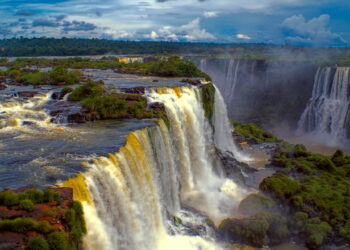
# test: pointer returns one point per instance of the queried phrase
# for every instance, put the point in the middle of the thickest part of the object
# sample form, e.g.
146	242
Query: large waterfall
132	198
261	91
327	112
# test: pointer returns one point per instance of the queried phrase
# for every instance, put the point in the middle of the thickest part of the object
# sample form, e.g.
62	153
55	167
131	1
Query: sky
294	22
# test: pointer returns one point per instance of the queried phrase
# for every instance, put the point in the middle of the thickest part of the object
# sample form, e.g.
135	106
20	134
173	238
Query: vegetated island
306	200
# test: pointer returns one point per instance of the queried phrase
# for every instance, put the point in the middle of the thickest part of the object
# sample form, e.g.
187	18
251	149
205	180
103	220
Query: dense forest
78	47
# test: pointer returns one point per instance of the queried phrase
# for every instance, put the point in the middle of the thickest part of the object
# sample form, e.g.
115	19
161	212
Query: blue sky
297	22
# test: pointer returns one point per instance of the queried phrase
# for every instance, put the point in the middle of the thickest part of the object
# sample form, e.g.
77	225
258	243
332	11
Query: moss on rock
208	99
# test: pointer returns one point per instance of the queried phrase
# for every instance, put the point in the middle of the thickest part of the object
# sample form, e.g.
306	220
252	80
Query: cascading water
15	114
223	130
130	197
327	112
229	80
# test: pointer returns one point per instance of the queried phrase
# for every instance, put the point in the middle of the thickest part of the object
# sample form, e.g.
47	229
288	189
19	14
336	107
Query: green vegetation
27	70
169	67
27	205
87	90
208	99
10	198
22	225
38	243
314	187
76	222
256	203
100	105
66	90
51	195
58	241
76	47
259	229
252	133
59	75
60	224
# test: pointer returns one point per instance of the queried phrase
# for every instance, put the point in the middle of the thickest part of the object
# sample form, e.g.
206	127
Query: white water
162	170
326	115
223	129
16	113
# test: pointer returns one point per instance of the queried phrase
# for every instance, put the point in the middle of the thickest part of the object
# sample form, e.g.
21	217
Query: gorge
175	177
291	98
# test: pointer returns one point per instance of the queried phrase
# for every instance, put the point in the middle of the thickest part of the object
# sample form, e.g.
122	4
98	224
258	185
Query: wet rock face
234	169
27	94
156	106
65	111
137	90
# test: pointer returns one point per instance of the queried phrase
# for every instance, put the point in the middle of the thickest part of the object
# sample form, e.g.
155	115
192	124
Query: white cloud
210	14
242	36
314	31
191	31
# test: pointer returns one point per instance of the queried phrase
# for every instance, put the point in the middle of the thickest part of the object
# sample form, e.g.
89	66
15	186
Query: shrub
61	74
105	107
58	241
256	203
38	243
326	164
316	231
27	205
88	90
9	198
22	225
51	195
338	158
281	185
66	90
45	227
300	151
35	195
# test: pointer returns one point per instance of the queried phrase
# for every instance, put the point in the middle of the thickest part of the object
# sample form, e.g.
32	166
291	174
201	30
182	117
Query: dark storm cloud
78	26
43	22
60	17
25	13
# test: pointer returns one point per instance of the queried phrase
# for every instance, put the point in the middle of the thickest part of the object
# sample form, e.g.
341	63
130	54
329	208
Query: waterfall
326	114
169	170
229	78
223	130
